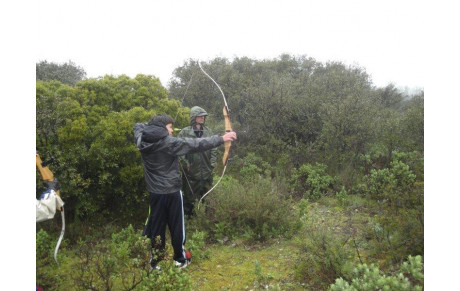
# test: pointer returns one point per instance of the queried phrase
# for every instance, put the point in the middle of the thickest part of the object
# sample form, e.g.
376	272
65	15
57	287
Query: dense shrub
410	277
118	263
196	245
87	129
414	160
311	181
392	237
323	253
394	184
167	279
342	196
396	230
44	259
255	210
380	183
253	167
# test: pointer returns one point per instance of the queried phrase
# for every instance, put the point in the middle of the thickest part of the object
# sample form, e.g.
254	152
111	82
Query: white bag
47	205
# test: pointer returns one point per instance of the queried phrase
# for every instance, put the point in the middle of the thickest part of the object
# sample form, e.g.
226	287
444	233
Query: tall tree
87	128
67	73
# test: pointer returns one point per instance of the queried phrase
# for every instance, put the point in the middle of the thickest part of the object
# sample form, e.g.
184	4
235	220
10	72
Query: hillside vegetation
323	190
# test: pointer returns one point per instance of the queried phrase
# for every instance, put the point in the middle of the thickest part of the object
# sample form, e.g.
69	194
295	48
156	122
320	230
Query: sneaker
181	265
154	264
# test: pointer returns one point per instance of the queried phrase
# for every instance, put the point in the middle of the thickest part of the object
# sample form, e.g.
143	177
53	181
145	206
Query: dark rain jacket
160	152
200	164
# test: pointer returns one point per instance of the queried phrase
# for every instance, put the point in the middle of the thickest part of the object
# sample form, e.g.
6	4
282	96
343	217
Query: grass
241	267
272	265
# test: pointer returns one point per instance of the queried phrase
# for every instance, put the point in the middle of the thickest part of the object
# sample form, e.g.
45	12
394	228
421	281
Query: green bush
118	263
43	245
44	259
254	167
342	196
414	160
254	210
88	131
196	245
394	186
404	176
323	254
167	279
311	181
392	237
370	277
380	183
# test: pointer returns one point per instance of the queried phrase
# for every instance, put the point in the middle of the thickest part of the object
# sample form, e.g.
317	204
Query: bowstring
226	106
223	172
181	102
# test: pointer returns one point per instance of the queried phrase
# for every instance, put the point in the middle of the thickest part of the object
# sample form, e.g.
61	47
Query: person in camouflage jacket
198	167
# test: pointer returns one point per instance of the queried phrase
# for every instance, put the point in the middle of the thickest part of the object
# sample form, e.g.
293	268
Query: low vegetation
324	188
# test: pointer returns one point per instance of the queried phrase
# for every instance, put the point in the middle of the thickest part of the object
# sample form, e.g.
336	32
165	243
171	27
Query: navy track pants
166	210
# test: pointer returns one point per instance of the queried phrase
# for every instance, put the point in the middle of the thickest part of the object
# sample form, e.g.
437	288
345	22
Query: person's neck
198	126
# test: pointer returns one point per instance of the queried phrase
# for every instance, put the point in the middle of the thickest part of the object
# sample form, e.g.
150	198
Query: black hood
154	131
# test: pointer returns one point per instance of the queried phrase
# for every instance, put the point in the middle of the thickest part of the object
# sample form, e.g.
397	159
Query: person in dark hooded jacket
198	166
160	157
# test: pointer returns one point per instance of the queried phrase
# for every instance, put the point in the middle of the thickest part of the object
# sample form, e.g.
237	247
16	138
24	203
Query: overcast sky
155	37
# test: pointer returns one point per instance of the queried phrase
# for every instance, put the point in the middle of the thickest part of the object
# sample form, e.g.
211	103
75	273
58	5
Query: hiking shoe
181	265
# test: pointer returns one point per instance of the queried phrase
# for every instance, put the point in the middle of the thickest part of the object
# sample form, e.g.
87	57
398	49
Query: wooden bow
228	128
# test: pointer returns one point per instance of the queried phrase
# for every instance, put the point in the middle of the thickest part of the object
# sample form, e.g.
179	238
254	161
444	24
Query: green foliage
44	258
394	185
414	160
322	127
262	280
380	183
342	196
252	167
299	91
311	181
302	208
88	130
107	259
370	277
403	175
396	230
196	245
329	113
122	263
414	267
412	124
323	255
393	236
43	245
118	263
167	279
67	73
253	209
